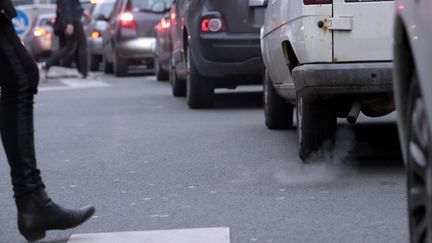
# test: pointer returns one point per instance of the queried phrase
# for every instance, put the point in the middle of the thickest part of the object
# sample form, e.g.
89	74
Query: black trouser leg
18	81
19	76
82	56
71	43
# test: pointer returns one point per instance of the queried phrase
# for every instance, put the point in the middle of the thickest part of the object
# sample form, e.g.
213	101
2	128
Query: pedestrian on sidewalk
68	24
19	77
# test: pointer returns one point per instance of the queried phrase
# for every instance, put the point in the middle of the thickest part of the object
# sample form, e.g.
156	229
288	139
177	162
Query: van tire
278	113
316	126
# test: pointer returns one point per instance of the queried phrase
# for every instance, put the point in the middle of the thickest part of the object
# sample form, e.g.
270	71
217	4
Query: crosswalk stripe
76	84
199	235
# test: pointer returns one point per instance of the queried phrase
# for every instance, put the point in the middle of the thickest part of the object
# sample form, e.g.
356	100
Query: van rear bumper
317	80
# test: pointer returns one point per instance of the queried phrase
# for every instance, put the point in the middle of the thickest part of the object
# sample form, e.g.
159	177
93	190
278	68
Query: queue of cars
129	38
327	59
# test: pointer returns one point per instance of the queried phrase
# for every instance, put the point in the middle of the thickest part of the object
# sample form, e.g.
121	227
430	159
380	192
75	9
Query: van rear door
362	30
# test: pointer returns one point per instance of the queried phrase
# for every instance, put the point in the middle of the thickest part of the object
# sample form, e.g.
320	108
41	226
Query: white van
330	58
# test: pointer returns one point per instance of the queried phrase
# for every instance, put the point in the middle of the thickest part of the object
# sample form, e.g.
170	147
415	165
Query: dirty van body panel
359	34
361	58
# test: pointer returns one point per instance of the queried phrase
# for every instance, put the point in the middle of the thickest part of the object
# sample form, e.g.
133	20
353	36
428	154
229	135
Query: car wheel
316	126
178	86
94	63
161	75
419	167
108	66
278	113
120	66
200	90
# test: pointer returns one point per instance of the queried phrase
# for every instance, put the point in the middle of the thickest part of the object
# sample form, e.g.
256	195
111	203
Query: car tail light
95	35
127	20
39	32
212	24
165	23
317	1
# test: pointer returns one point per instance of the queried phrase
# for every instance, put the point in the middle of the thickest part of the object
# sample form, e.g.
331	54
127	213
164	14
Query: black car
216	44
130	36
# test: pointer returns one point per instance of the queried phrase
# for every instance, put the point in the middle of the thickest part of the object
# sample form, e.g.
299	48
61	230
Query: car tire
94	63
178	86
120	66
316	126
108	66
278	113
200	90
419	166
161	75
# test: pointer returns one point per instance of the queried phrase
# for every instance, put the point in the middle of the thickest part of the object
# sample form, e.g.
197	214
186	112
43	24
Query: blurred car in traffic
98	24
215	45
130	36
38	41
163	48
413	97
330	59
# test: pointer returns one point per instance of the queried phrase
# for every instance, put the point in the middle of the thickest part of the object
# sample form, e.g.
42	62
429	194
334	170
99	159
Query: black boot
37	213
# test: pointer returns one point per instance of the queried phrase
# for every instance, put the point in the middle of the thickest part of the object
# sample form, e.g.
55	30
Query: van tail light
213	25
96	35
40	32
165	23
307	2
127	21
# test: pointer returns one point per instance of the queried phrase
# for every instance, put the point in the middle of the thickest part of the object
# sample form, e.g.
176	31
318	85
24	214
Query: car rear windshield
147	5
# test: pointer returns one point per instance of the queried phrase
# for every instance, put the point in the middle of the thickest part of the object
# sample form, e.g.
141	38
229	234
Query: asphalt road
149	163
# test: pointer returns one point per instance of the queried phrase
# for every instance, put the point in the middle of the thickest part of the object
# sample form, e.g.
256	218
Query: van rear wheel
278	113
316	126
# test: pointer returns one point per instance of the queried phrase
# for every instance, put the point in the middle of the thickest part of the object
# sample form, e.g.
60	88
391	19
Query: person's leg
67	50
18	82
82	59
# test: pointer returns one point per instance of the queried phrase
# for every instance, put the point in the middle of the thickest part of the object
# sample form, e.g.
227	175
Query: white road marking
76	84
202	235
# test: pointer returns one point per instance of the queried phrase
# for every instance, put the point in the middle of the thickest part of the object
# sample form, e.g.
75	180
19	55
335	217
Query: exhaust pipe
354	112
